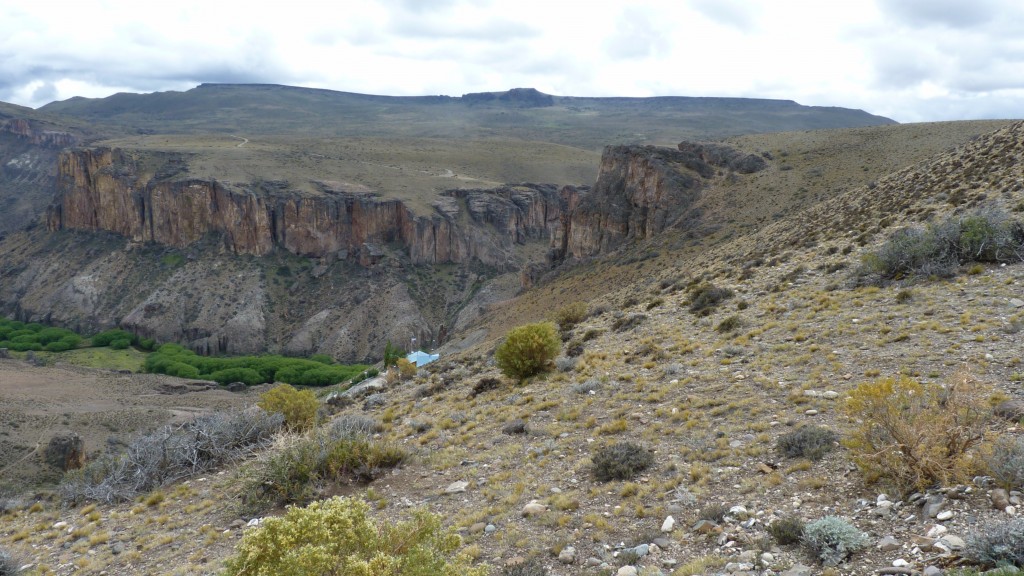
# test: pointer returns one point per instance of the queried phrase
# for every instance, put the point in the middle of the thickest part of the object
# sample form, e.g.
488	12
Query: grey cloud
439	27
950	13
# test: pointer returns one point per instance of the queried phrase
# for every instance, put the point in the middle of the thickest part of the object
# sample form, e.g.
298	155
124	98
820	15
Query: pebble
811	412
456	487
662	543
936	531
627	571
932	571
490	528
567	555
705	527
933	506
900	563
888	544
668	525
944	515
1000	499
117	548
954	542
830	395
642	550
534	508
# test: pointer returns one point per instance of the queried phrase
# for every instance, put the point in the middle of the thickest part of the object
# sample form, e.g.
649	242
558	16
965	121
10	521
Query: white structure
421	358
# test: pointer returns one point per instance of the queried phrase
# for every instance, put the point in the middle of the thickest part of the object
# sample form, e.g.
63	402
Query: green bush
999	544
833	540
810	441
621	461
528	350
110	336
299	408
337	536
245	375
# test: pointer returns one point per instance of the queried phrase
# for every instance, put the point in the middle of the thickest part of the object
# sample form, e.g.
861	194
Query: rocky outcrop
102	189
28	159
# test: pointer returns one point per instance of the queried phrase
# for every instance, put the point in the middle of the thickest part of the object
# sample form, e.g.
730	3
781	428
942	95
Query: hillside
518	114
709	395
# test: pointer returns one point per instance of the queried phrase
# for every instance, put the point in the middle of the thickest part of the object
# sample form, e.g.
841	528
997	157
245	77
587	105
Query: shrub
337	536
621	461
571	315
916	435
730	324
299	408
9	565
628	322
349	425
984	235
713	512
484	385
171	454
788	530
1001	543
1006	462
107	338
833	539
811	442
406	369
704	298
528	350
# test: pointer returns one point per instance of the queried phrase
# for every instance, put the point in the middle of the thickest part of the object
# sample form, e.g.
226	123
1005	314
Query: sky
910	60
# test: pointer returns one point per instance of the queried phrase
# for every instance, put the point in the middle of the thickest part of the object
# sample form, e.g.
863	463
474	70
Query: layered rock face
101	189
28	159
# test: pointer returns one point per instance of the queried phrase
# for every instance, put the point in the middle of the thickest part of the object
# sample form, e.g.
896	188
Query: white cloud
908	59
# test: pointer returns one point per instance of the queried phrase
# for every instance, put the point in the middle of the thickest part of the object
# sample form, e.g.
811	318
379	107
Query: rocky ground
510	464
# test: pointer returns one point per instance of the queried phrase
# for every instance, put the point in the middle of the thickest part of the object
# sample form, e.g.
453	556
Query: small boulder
534	508
66	451
567	555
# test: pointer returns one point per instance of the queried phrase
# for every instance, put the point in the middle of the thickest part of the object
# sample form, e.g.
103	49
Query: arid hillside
718	374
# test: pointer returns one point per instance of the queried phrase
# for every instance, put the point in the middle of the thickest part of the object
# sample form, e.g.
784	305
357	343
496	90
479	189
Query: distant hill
521	113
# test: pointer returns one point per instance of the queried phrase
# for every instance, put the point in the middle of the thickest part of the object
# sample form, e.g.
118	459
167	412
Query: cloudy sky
911	60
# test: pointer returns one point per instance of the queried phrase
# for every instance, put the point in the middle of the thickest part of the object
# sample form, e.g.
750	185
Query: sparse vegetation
810	441
704	298
621	461
337	536
787	530
916	435
171	454
998	544
1005	463
984	235
833	540
569	316
528	350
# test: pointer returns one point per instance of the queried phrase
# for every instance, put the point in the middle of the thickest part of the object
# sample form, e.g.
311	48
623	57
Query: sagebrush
915	435
998	544
338	537
809	441
833	540
621	461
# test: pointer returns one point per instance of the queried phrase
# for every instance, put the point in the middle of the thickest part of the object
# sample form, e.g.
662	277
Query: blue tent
421	358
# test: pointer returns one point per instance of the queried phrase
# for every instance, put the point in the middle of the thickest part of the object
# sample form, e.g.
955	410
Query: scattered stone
739	512
117	548
1010	409
236	524
895	570
936	530
567	555
1016	302
642	550
799	570
534	508
747	557
705	527
668	525
954	542
944	515
593	562
900	563
477	528
888	544
375	401
456	487
737	567
662	543
811	412
932	571
59	525
933	506
253	522
1000	499
490	529
627	571
830	395
767	558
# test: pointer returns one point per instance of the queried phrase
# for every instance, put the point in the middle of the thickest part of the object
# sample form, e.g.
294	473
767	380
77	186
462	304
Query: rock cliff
104	189
28	159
